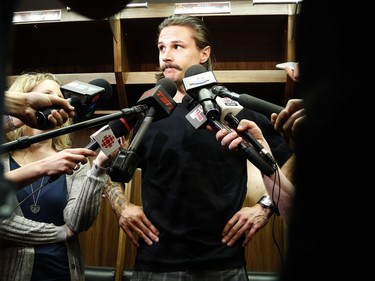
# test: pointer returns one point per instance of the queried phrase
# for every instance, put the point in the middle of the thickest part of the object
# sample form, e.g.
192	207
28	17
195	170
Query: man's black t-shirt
191	187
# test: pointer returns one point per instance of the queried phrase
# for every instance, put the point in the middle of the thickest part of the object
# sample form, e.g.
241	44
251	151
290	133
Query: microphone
160	98
83	96
120	127
196	86
90	95
160	105
229	108
42	115
196	116
26	141
197	83
250	102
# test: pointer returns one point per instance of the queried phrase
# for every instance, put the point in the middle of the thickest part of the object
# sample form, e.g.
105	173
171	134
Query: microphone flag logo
196	116
106	139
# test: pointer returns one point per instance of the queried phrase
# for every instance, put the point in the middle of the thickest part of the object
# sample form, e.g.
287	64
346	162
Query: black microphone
229	108
197	87
42	115
90	95
197	83
250	102
120	127
83	96
196	116
160	105
26	141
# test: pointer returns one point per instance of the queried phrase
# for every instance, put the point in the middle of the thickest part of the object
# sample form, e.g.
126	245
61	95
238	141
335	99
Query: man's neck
178	97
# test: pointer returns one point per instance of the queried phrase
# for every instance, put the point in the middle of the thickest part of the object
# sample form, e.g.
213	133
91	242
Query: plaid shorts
234	274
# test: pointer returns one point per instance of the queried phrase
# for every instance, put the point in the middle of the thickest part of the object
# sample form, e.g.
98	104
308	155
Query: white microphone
229	109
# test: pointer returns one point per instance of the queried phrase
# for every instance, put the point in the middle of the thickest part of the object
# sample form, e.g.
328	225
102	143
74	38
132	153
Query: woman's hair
25	83
201	35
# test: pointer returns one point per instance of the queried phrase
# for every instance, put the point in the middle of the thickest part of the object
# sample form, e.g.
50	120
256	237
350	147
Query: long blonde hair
25	83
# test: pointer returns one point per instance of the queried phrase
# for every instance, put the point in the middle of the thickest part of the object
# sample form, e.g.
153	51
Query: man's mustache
170	65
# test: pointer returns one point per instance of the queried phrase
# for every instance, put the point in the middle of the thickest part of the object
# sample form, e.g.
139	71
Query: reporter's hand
39	101
289	120
66	161
293	73
63	162
25	105
69	232
103	160
232	139
135	223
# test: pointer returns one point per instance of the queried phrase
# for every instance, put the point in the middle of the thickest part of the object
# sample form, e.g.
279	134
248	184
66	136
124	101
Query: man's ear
205	54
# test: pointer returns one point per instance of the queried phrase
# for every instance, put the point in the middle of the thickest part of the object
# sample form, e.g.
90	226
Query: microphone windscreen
96	9
189	102
194	70
168	85
123	126
75	101
118	128
107	94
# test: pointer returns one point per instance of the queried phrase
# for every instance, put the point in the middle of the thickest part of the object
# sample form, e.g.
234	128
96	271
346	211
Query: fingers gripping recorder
83	96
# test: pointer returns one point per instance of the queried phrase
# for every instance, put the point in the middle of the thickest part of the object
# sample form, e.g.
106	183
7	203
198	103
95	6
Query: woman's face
49	87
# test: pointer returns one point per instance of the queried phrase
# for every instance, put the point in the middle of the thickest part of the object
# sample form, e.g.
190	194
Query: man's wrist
266	202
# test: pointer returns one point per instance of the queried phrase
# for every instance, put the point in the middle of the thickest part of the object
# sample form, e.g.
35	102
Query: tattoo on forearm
115	194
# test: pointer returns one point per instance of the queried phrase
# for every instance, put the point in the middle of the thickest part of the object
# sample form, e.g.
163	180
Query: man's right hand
135	223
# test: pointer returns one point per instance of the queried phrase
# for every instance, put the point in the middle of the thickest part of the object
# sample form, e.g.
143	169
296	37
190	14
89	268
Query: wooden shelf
228	76
248	43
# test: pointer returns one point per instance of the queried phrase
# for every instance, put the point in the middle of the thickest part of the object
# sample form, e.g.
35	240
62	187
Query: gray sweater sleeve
17	230
85	188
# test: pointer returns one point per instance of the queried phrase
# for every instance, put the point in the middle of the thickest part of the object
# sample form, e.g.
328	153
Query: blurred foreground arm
289	120
23	107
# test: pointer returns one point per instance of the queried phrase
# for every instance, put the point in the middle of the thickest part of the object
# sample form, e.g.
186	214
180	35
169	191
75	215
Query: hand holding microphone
197	83
25	106
229	109
42	116
84	97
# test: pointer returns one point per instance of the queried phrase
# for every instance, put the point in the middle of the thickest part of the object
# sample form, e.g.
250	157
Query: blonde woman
59	196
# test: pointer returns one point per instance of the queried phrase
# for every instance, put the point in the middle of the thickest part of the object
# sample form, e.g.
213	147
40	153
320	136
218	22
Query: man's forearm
116	196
